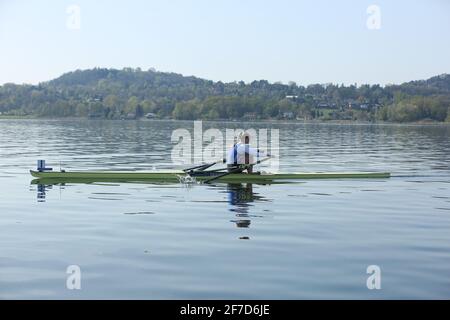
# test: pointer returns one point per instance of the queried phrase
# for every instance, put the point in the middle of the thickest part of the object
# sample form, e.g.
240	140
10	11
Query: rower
241	153
41	166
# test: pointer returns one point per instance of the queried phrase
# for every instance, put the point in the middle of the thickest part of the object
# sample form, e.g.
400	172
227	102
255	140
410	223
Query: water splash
187	180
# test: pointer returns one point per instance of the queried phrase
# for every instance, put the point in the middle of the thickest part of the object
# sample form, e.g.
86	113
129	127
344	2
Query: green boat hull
80	176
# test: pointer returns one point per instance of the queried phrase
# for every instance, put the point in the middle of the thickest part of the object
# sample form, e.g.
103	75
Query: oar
204	166
239	168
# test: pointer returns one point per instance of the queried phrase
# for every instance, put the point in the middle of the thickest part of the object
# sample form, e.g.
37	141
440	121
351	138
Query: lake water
311	239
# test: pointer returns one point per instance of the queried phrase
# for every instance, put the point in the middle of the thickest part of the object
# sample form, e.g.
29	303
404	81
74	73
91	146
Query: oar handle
262	160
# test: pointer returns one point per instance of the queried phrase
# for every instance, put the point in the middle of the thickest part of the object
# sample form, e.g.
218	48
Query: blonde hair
243	135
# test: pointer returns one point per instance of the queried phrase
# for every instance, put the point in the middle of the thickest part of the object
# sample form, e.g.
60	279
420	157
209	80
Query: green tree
132	104
186	110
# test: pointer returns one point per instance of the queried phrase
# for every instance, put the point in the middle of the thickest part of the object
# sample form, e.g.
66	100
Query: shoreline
336	122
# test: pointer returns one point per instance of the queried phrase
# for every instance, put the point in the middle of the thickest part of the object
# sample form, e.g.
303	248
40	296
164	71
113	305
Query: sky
318	41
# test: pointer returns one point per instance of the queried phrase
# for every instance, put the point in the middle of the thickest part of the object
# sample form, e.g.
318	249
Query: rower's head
244	137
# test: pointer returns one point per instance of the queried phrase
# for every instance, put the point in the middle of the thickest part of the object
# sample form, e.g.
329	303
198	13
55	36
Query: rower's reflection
241	198
42	191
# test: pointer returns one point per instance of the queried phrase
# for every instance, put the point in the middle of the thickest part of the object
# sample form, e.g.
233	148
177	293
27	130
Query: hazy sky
304	41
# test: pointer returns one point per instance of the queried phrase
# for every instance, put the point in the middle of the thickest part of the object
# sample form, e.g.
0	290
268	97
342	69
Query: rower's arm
257	153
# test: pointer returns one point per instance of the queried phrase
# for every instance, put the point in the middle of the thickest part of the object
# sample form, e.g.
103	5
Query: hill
133	93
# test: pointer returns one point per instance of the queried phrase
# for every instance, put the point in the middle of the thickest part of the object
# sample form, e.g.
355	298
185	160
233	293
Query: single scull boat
174	176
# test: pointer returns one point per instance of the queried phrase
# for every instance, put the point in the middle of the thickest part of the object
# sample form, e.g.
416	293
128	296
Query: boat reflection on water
240	197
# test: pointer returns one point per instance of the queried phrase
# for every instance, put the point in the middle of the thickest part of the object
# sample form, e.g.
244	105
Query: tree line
134	93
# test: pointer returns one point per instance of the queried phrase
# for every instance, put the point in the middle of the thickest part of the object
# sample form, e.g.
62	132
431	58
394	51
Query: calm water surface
311	239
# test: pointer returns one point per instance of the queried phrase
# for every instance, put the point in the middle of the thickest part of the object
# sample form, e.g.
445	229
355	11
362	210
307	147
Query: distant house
323	105
94	99
352	105
250	116
288	115
376	106
96	115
